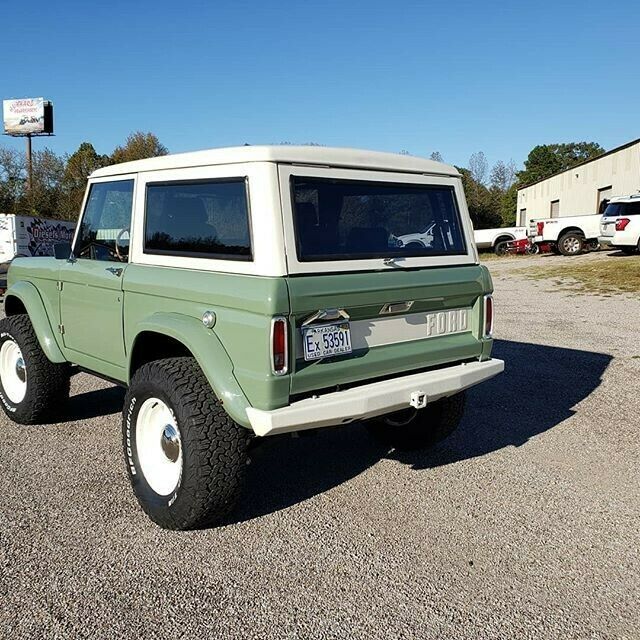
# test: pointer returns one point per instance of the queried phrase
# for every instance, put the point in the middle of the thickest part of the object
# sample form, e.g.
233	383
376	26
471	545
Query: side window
206	219
104	230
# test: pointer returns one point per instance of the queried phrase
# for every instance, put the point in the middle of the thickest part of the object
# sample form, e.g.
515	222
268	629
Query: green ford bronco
254	291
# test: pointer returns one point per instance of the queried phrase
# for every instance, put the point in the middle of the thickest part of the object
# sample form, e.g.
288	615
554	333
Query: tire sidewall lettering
140	485
9	406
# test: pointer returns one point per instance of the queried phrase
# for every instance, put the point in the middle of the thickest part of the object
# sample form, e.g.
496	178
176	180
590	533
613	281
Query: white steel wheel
159	446
13	371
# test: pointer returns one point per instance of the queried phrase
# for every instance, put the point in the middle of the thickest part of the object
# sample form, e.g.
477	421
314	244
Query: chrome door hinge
61	328
59	285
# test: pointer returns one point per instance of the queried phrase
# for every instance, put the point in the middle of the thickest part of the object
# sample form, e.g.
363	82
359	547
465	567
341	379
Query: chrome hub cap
13	371
21	370
170	443
159	446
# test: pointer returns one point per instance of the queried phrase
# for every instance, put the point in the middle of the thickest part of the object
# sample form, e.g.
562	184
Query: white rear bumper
367	401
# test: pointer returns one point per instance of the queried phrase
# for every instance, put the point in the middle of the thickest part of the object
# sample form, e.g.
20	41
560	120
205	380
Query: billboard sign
24	117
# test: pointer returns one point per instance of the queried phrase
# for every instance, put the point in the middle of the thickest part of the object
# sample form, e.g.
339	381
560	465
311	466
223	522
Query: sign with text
28	116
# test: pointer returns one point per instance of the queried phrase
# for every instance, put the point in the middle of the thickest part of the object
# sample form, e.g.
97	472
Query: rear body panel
403	344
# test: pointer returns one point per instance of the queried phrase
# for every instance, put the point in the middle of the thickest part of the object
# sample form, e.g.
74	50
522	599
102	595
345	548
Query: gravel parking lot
523	524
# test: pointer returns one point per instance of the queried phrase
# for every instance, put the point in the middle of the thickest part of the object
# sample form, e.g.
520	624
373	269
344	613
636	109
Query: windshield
617	209
351	220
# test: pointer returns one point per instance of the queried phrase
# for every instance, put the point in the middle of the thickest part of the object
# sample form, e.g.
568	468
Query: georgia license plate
326	340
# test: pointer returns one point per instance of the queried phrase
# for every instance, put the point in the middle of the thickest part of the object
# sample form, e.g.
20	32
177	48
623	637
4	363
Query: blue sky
456	77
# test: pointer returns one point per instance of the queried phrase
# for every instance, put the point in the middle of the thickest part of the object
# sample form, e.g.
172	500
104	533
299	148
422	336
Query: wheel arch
164	335
504	237
571	230
24	297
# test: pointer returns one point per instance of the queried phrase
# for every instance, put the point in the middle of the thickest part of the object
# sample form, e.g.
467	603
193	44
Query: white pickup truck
569	235
497	239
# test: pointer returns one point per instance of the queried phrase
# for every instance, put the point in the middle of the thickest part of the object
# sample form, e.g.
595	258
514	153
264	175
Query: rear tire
185	456
571	244
412	430
32	388
500	248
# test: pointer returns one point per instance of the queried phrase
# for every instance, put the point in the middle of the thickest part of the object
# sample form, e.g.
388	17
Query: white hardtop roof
289	154
632	198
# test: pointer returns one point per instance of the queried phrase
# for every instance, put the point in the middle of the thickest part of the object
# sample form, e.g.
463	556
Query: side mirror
62	250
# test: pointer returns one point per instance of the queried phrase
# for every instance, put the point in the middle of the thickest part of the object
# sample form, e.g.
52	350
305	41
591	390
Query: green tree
13	178
43	200
481	201
138	146
79	165
545	160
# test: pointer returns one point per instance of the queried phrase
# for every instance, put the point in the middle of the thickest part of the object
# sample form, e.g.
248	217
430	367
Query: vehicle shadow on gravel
538	391
93	404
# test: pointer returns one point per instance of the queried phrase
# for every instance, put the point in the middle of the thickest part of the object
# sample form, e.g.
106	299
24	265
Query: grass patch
489	255
603	276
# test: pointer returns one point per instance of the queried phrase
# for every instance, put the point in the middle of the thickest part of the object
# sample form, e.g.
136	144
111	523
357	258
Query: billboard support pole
29	164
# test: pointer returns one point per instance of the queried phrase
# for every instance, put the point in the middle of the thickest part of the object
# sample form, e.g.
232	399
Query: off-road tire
571	243
47	383
214	447
428	426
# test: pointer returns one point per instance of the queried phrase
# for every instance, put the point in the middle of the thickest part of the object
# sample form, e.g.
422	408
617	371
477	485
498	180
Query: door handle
116	271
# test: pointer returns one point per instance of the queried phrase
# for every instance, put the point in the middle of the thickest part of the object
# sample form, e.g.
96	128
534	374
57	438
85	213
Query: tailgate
430	333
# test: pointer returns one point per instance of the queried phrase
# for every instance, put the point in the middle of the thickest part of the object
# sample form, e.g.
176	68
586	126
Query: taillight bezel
276	322
626	222
488	316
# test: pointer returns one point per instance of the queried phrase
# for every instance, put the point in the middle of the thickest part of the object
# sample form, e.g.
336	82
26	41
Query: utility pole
29	165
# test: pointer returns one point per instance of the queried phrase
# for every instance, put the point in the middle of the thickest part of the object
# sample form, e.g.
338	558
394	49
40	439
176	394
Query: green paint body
103	316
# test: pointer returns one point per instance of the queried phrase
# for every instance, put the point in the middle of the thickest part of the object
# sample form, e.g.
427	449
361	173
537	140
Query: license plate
326	340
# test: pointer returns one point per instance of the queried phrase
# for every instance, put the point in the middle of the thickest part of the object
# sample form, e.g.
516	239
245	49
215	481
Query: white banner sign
23	116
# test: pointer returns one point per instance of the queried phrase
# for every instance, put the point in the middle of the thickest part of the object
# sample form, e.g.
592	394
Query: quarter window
104	230
207	219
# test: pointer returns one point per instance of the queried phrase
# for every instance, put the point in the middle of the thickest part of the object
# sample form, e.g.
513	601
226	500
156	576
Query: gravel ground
523	524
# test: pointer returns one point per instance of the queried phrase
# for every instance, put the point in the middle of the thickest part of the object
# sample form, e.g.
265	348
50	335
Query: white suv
620	224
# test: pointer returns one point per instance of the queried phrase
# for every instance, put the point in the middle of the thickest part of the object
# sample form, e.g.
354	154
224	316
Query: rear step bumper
367	401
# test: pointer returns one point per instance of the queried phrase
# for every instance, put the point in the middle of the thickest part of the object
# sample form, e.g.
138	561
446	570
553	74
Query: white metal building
581	189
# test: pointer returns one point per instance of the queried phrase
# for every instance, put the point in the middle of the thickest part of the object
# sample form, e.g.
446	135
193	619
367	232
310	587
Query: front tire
32	388
411	429
185	456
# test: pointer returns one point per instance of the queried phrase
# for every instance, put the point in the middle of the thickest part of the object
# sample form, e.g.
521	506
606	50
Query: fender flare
30	297
209	353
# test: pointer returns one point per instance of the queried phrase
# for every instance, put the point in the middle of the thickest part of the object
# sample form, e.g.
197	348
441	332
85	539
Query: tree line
492	192
59	182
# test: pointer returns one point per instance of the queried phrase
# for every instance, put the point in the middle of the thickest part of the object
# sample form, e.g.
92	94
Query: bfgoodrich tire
32	388
185	456
411	429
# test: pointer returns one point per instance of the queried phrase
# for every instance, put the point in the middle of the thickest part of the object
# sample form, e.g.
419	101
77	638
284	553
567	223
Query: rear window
208	219
618	209
352	220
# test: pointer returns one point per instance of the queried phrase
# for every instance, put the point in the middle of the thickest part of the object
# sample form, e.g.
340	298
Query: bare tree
503	175
436	156
479	167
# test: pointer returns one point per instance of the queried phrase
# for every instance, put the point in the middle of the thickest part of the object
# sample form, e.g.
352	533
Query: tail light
279	346
488	317
540	227
621	224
